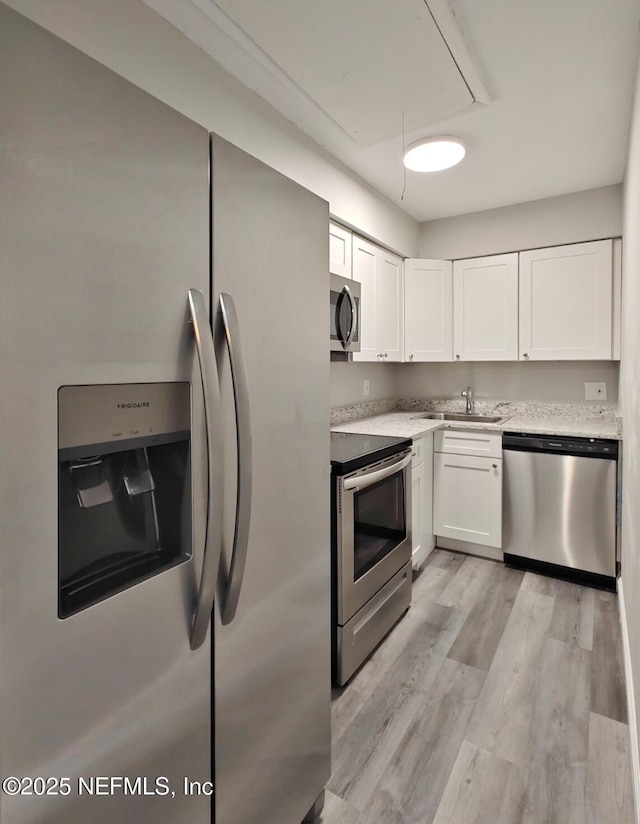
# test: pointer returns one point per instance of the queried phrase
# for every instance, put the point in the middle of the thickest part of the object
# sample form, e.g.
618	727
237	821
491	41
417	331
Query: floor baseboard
631	704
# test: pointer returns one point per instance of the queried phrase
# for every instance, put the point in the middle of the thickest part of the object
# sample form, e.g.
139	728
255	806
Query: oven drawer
359	636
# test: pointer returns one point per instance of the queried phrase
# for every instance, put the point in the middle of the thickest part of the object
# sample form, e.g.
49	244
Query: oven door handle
363	481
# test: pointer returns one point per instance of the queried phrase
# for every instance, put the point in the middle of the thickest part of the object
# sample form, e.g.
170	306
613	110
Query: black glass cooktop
350	451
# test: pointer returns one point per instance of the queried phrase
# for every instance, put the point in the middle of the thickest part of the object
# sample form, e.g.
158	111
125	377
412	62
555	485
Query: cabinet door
364	271
467	501
566	296
389	305
417	515
428	307
423	539
339	251
428	537
485	313
616	309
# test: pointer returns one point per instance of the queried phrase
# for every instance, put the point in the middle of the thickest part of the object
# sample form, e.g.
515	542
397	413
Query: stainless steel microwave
344	306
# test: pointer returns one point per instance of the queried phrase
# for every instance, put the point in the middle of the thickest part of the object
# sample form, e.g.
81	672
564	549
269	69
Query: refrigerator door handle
213	532
245	459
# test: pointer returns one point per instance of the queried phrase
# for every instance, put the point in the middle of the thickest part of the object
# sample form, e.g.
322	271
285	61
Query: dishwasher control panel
589	447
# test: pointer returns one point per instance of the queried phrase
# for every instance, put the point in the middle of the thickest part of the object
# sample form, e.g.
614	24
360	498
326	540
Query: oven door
374	530
344	314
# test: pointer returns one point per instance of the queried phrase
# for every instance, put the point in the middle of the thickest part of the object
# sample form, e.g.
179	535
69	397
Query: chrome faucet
466	393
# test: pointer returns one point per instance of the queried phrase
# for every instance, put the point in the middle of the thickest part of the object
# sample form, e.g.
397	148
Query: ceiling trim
204	23
447	25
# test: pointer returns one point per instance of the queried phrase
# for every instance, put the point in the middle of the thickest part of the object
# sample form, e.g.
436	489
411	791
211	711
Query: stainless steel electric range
371	543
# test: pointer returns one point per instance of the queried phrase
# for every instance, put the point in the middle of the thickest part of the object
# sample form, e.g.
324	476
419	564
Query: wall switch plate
366	388
595	391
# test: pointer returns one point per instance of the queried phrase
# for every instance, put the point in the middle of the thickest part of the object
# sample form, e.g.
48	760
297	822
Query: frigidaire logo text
134	405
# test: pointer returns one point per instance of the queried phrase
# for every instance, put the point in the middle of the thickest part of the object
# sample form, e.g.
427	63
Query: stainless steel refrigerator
154	469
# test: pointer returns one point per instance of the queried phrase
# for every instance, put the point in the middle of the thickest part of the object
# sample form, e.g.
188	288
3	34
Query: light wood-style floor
498	699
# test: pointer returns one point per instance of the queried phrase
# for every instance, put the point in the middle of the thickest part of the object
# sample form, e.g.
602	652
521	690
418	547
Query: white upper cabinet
364	271
339	250
389	306
485	308
566	302
380	275
617	298
428	307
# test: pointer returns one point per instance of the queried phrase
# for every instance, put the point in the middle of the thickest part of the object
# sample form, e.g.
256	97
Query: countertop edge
404	424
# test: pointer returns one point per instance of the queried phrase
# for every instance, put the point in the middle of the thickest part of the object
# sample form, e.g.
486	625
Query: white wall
630	401
555	382
128	37
347	382
588	215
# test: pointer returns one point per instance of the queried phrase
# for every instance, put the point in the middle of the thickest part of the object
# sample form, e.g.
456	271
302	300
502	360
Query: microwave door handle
362	482
215	457
354	317
343	294
245	465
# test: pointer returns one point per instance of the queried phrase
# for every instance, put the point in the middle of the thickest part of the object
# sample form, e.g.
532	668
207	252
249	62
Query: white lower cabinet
422	537
467	498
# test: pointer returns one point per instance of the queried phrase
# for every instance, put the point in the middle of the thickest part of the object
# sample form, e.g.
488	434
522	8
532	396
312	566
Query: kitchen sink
451	416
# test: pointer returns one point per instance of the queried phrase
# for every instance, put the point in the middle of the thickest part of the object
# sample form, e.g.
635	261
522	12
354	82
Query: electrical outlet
595	391
366	388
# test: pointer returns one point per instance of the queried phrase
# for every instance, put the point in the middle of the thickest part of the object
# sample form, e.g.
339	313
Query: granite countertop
578	420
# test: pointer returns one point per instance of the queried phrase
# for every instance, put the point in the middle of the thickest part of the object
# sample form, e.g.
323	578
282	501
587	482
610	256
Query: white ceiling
559	73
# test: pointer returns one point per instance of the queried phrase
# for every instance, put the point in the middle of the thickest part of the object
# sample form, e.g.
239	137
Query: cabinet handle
411	357
495	466
386	354
457	357
525	355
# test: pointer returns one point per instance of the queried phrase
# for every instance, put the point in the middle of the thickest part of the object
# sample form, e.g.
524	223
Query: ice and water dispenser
124	487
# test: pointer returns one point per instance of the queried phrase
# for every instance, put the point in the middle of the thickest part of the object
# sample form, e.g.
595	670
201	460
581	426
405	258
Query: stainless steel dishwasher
560	506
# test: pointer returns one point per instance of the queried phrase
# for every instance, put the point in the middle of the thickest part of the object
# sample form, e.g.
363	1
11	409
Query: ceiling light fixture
432	154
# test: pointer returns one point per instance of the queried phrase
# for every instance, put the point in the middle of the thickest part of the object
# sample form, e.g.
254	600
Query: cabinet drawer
469	442
370	624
